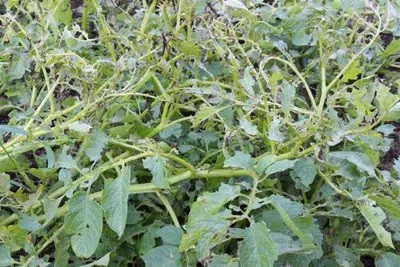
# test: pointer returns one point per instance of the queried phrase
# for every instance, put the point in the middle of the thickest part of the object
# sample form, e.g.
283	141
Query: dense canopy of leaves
200	133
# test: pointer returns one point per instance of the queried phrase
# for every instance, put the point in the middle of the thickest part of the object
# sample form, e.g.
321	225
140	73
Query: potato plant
200	133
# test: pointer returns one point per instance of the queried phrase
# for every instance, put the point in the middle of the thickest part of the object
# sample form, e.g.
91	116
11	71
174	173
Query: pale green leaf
387	259
4	184
240	160
286	97
359	159
81	127
65	160
20	64
280	166
248	82
156	166
257	249
247	126
235	4
274	131
29	223
11	129
264	162
208	220
300	38
170	234
84	222
5	256
374	216
173	130
166	256
96	143
305	170
205	112
385	98
223	261
50	208
115	201
390	205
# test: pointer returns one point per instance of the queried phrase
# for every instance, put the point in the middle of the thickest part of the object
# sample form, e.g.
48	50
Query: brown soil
388	159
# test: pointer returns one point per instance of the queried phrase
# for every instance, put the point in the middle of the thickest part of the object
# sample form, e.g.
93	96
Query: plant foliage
200	133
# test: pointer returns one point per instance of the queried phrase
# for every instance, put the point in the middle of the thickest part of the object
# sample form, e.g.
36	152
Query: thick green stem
139	188
146	18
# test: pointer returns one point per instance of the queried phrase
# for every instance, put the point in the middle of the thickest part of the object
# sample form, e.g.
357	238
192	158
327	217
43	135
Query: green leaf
20	64
346	257
4	184
257	248
352	72
387	259
308	243
50	208
173	130
374	216
280	166
240	160
264	162
248	81
29	223
103	261
156	166
11	129
170	234
84	222
386	99
388	204
5	256
188	48
61	10
392	48
205	112
274	132
235	4
115	201
81	127
208	220
286	96
65	160
359	159
300	38
305	170
95	146
223	261
247	126
166	256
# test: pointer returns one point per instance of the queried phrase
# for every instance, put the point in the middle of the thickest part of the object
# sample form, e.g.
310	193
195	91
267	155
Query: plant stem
301	77
171	212
146	18
85	15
